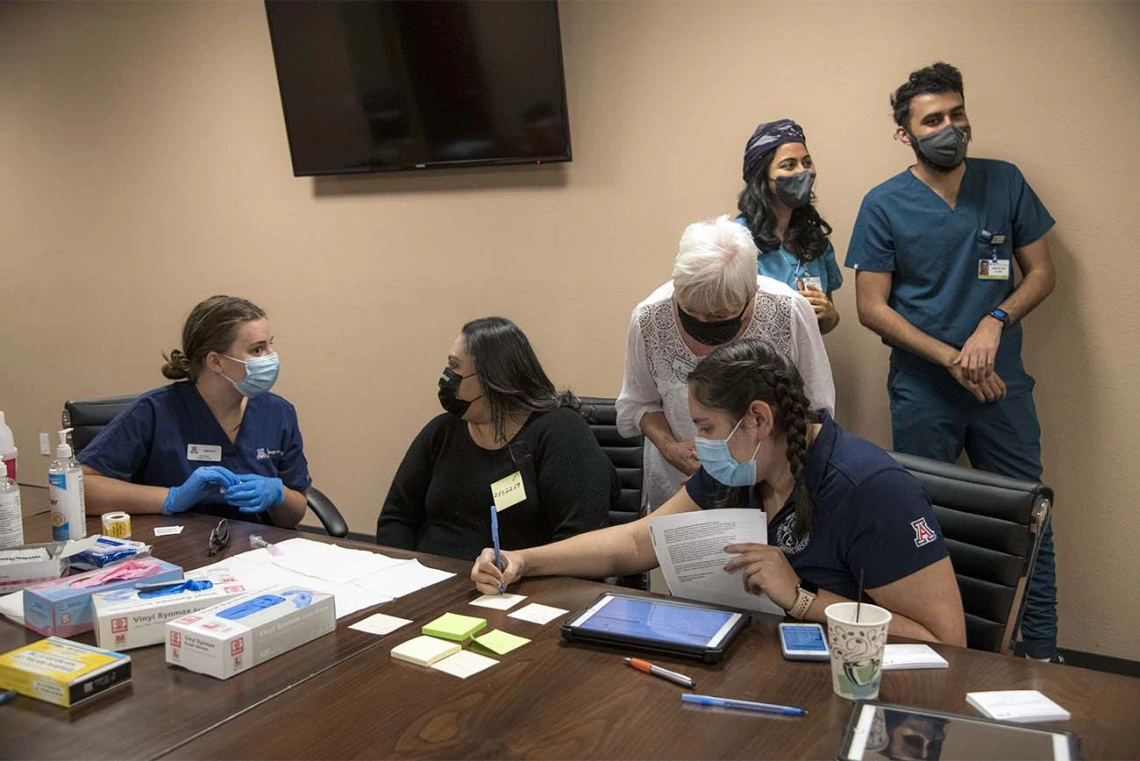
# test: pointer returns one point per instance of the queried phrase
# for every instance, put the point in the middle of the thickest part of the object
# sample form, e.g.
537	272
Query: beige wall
144	167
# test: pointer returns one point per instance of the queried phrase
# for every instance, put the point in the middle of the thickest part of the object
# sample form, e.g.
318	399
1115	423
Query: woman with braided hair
837	507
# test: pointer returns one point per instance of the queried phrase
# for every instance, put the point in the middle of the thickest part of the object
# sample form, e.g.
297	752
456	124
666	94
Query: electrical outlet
45	445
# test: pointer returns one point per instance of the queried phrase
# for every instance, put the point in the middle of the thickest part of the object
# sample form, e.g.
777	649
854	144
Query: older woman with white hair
715	297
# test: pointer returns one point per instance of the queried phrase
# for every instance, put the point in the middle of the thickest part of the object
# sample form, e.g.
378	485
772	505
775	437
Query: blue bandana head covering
766	138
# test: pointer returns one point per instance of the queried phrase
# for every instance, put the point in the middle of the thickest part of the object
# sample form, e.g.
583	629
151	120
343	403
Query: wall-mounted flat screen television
383	85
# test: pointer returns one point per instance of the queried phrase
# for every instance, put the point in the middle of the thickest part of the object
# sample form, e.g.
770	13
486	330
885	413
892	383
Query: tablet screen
657	621
883	732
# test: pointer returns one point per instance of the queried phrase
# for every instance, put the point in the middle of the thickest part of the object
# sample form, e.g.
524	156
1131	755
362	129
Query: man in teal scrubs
933	250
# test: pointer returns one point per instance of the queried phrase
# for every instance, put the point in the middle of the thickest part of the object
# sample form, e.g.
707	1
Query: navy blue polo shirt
151	442
933	251
870	515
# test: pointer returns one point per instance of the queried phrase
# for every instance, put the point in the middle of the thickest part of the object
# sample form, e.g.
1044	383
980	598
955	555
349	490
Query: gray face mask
794	190
946	148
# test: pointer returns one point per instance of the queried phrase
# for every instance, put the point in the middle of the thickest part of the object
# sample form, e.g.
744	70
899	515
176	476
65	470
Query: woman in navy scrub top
837	507
215	441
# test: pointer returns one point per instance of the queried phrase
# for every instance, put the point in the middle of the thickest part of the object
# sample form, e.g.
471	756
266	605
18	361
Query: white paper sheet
358	579
504	601
690	550
378	623
403	578
464	664
12	607
167	530
537	613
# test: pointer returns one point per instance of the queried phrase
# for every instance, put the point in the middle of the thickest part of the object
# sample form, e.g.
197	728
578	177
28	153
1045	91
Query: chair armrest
326	512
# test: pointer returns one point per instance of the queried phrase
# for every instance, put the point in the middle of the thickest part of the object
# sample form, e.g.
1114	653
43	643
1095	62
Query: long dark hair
512	377
807	233
212	326
735	375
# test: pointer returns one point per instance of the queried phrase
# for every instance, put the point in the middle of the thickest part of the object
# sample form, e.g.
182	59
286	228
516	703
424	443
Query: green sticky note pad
455	627
500	642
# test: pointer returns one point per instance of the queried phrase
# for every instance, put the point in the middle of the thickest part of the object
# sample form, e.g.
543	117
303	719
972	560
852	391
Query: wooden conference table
342	696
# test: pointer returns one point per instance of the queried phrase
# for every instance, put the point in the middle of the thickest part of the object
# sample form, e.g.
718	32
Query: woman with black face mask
715	297
776	207
506	438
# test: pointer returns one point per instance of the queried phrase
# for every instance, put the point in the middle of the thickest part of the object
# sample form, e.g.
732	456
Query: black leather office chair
87	418
992	526
626	455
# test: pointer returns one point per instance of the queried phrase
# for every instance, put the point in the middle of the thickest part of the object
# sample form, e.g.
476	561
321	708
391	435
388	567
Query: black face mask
711	333
449	381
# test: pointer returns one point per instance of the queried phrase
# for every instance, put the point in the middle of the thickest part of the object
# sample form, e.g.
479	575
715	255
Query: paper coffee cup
857	648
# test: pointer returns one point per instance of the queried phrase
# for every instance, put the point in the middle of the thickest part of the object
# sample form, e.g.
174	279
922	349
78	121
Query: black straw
859	600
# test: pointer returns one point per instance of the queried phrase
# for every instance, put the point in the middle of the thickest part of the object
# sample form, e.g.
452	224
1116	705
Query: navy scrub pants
933	416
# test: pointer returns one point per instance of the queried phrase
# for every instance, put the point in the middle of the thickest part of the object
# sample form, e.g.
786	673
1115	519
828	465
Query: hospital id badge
993	269
203	453
812	282
508	491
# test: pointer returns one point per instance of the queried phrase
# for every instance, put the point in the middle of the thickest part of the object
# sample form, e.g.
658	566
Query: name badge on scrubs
993	269
812	282
203	452
508	491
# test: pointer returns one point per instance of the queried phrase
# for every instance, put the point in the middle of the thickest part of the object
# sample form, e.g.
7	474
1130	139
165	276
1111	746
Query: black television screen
380	85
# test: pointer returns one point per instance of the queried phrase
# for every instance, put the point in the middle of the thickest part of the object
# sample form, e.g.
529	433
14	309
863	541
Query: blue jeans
933	416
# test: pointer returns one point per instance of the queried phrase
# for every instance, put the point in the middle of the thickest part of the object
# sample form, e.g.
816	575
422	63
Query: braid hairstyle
735	375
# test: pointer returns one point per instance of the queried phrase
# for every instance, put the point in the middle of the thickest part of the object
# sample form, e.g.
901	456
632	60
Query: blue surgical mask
260	374
719	463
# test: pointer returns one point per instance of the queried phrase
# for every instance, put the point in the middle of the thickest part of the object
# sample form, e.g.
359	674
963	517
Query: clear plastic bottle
11	518
8	450
68	507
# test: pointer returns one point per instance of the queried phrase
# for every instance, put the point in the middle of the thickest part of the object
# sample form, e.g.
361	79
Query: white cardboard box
245	631
130	618
32	563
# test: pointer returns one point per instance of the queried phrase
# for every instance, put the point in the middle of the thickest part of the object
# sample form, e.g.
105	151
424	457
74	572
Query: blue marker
495	540
745	705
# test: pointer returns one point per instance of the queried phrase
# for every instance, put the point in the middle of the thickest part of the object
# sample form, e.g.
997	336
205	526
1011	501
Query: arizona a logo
922	533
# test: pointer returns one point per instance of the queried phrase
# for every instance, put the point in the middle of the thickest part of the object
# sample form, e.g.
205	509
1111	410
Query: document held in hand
690	550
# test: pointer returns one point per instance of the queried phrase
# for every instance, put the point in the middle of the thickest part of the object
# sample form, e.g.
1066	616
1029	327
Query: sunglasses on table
219	538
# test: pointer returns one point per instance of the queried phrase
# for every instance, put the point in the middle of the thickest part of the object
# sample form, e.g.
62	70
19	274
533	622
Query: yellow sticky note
508	491
500	642
455	627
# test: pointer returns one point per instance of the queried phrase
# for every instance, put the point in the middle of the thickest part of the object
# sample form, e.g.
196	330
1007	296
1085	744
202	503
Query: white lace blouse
658	363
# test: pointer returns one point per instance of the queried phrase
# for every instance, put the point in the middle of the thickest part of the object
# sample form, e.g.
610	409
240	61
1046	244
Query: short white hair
715	270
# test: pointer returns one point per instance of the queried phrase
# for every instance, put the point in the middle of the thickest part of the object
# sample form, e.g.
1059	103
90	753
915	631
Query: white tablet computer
878	731
653	624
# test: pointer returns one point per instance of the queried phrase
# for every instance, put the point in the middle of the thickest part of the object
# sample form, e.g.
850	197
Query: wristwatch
807	592
1001	314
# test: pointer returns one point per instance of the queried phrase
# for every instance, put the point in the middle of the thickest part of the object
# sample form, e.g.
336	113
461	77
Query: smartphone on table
803	642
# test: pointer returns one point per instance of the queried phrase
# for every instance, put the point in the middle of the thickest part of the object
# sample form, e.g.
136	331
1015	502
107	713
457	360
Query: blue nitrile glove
255	494
199	487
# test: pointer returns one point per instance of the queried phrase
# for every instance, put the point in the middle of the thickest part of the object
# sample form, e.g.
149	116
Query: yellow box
62	672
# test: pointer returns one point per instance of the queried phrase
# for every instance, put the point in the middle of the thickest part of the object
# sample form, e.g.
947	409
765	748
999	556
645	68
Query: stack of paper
1017	706
455	627
899	657
357	579
424	650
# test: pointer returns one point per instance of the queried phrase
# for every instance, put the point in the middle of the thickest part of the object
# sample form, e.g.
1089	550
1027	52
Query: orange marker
672	676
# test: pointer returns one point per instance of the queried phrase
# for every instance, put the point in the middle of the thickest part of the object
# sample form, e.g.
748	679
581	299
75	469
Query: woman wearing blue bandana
215	441
776	206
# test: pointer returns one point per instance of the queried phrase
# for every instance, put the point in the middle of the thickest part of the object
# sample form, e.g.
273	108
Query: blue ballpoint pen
745	705
495	540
